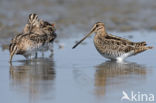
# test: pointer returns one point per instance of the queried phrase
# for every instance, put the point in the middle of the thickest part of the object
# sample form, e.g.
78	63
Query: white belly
114	55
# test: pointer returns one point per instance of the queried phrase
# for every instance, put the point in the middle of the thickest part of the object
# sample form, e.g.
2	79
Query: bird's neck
101	32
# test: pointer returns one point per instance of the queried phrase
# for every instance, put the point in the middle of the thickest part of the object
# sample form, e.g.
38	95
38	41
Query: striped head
12	50
98	28
33	22
33	19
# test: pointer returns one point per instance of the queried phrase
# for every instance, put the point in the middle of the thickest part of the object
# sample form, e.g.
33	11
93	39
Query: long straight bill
82	39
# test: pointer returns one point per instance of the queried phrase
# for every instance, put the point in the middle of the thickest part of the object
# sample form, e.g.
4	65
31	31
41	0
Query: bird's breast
104	48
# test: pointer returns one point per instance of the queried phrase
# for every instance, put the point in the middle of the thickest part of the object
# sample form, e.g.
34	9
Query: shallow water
79	75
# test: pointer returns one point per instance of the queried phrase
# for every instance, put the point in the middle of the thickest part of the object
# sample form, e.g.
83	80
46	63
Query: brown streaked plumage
45	28
113	47
29	42
49	30
25	46
32	22
31	26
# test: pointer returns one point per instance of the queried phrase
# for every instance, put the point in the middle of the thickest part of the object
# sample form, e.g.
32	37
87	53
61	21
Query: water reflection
33	78
117	75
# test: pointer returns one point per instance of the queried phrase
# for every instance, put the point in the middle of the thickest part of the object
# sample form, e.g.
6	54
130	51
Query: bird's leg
26	56
51	53
51	49
36	55
42	53
31	56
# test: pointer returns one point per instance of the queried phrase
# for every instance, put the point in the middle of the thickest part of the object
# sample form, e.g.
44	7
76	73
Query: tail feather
141	43
142	49
150	47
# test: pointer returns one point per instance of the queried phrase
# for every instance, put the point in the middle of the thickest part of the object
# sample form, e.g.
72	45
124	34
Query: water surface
77	75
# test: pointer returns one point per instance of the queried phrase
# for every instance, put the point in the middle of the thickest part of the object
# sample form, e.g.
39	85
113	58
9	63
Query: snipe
35	35
113	47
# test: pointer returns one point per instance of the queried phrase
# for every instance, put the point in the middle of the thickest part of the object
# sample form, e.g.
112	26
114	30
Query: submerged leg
50	47
31	56
36	55
26	56
42	53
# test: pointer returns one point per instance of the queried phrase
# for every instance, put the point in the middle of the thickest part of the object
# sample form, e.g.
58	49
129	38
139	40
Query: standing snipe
34	36
33	22
113	47
32	26
49	30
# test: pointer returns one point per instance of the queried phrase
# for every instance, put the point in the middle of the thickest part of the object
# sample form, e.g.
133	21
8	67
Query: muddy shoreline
73	17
